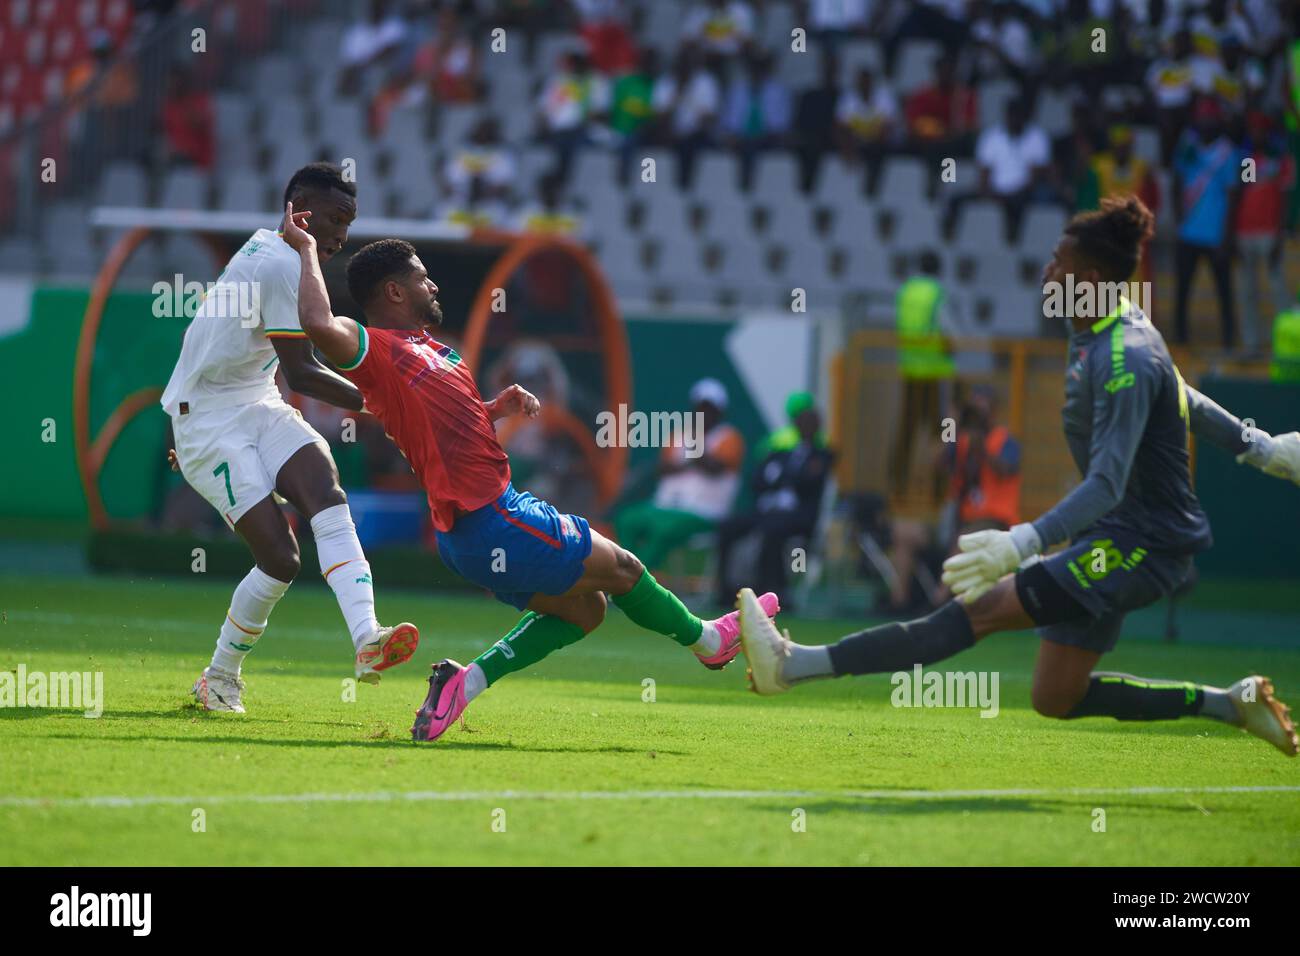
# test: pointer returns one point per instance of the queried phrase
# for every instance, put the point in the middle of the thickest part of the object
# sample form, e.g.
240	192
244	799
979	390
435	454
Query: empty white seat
904	182
716	177
915	66
1041	229
776	173
837	180
184	189
981	224
244	190
123	184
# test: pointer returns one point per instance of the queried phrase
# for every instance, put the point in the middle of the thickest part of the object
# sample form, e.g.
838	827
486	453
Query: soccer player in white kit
238	442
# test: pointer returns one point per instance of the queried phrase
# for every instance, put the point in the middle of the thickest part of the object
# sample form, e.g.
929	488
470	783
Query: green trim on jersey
1120	309
363	346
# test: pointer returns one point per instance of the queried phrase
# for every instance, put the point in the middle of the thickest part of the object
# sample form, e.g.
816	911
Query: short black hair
323	176
1111	237
375	264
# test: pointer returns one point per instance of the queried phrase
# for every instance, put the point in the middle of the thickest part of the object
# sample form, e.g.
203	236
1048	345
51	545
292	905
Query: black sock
1126	697
897	647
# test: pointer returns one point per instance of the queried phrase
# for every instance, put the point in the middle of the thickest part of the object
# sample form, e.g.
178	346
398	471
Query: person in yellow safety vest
1285	366
924	362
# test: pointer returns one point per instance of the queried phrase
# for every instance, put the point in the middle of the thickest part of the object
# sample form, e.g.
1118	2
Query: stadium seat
243	190
904	183
716	177
836	180
726	217
664	216
233	130
184	189
853	220
1041	229
742	261
857	54
594	169
123	184
866	268
980	224
679	262
915	66
916	229
1054	112
776	173
993	98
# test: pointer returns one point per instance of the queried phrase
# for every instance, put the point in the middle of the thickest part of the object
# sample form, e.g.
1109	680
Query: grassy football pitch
568	764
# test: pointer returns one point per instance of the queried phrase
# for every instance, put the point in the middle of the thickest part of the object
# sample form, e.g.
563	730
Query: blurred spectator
721	27
477	177
187	121
610	46
1014	160
694	494
572	102
815	121
757	114
1170	87
1207	190
528	17
453	60
983	468
941	117
942	20
1261	229
788	486
1002	38
631	115
924	362
1117	171
866	123
1087	44
830	22
369	41
108	130
687	101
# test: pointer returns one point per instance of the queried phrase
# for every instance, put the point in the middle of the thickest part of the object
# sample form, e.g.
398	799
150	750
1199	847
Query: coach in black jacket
788	487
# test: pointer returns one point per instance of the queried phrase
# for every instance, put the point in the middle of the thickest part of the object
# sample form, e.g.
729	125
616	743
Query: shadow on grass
378	743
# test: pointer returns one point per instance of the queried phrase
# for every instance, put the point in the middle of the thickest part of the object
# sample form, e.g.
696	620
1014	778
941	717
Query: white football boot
765	647
1263	715
385	648
219	690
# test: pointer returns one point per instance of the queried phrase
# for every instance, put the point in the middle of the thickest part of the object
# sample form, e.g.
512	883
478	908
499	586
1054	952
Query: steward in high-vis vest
924	363
922	351
1285	366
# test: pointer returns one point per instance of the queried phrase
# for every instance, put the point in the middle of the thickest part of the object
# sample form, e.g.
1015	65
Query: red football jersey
427	401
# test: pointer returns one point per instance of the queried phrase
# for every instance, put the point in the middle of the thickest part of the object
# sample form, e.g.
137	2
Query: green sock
535	636
657	609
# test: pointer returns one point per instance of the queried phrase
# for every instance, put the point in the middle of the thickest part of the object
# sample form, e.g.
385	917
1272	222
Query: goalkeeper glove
985	556
1278	456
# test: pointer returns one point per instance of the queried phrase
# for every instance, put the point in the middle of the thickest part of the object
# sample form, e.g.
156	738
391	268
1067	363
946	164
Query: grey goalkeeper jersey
1127	414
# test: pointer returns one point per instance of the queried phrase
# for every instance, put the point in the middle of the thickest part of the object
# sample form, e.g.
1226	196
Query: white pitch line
463	796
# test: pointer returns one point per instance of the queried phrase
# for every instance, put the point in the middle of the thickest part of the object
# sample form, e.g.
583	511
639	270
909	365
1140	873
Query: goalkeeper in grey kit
1133	525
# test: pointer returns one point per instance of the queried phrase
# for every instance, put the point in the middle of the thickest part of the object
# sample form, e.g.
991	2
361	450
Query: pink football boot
445	702
729	631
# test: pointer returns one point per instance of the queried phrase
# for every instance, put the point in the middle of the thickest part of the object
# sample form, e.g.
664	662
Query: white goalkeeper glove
1276	455
985	556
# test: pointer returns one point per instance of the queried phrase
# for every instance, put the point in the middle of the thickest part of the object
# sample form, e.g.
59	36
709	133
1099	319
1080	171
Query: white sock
710	641
475	682
250	607
344	566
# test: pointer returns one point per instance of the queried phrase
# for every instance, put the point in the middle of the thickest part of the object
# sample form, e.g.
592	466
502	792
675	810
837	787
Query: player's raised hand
515	399
295	228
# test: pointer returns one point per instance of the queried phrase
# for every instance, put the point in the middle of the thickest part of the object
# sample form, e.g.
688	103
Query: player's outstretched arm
513	400
336	336
1278	455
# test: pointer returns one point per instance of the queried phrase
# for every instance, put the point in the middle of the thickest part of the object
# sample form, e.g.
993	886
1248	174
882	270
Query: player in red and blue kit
552	566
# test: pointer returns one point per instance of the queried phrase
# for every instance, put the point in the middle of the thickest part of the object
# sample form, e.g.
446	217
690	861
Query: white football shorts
231	456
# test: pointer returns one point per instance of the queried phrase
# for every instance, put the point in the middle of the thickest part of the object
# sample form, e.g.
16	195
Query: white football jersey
227	357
